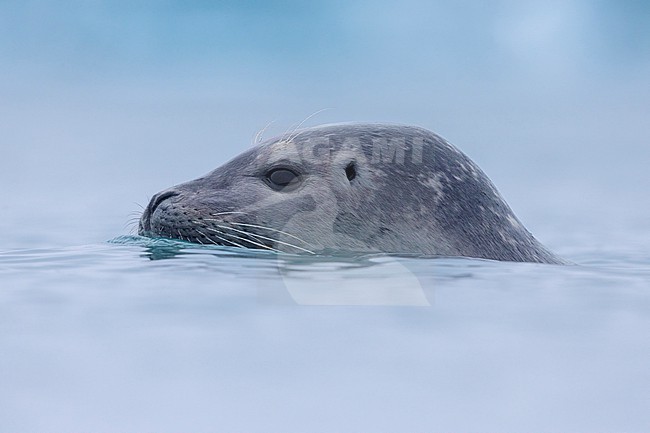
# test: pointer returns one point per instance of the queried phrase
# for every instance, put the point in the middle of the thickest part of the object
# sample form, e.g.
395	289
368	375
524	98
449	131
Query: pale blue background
102	104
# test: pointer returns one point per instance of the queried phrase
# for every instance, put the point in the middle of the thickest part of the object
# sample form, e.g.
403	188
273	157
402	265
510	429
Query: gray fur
413	193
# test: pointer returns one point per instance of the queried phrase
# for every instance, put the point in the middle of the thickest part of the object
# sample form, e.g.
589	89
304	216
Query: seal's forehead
312	149
273	152
377	143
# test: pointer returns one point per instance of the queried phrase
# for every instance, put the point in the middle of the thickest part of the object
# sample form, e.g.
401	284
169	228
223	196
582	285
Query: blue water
142	335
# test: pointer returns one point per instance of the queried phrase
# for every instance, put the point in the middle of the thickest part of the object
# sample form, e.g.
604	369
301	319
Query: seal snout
159	198
156	200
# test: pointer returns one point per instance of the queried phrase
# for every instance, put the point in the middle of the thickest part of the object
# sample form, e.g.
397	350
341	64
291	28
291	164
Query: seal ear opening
351	171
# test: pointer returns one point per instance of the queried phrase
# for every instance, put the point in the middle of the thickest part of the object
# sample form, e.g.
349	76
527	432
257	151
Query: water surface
141	335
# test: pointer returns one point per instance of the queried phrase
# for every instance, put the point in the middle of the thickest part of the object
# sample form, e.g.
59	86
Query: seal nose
159	198
156	200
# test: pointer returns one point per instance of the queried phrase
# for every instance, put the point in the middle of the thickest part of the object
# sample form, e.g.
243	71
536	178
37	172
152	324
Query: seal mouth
217	229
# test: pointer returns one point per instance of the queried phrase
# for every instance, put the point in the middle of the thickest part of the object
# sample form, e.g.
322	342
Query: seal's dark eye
281	178
351	171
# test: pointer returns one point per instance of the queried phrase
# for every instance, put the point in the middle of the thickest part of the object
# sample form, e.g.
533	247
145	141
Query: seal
348	188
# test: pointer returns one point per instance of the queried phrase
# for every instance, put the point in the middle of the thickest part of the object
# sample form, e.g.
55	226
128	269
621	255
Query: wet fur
426	198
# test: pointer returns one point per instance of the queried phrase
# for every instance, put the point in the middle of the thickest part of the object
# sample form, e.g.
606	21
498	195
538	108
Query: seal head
356	188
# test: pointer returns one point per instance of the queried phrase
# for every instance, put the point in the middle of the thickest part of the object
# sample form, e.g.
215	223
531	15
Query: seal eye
351	171
281	178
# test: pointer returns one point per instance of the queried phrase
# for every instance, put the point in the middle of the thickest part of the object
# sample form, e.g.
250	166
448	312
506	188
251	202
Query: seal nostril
145	220
155	202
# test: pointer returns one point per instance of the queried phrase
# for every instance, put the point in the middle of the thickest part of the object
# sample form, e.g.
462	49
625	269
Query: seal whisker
295	133
238	237
258	136
132	227
226	213
287	133
264	238
271	229
231	242
228	242
207	238
248	239
199	240
131	224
